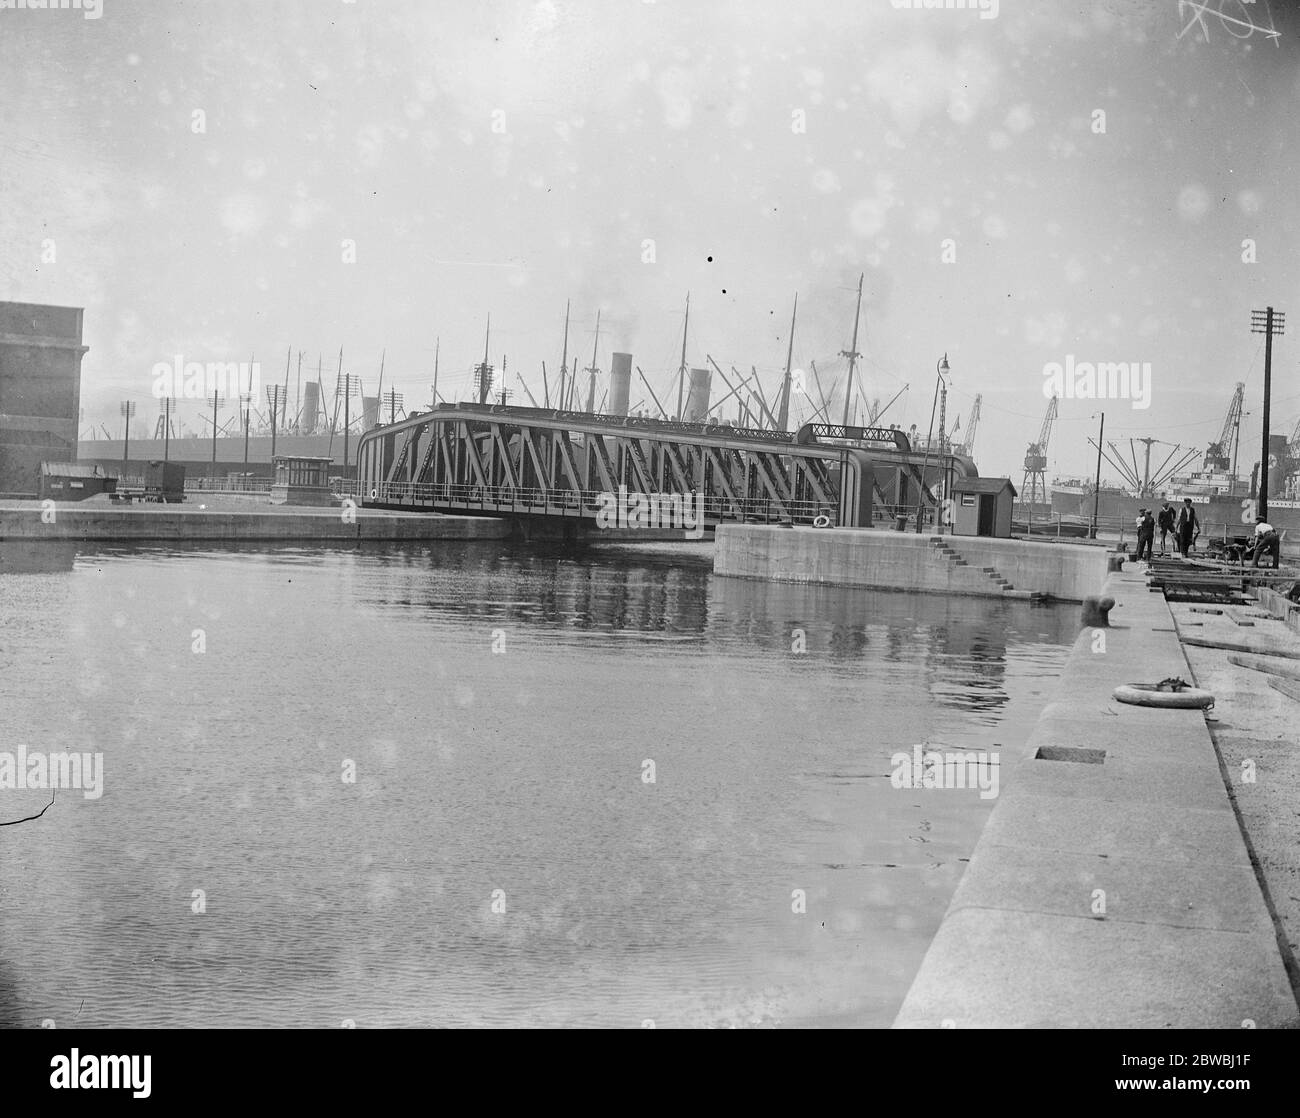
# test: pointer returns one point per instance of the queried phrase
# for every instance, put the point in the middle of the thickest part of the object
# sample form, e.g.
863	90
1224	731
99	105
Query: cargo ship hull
1219	514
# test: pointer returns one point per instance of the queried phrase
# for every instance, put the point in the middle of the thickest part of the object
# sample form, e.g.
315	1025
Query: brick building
40	391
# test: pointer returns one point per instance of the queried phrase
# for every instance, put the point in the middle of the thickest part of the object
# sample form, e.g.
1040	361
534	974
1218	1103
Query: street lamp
940	368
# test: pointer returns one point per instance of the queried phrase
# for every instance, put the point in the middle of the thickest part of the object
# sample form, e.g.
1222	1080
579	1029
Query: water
485	780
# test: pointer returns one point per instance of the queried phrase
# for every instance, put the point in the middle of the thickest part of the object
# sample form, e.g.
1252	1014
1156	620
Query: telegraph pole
217	401
852	353
277	398
1096	486
348	381
1267	322
128	410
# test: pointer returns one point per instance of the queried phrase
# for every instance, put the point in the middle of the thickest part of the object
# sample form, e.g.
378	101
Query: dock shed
73	481
982	506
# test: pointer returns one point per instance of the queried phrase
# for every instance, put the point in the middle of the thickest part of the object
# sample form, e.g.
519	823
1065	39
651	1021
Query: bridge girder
470	457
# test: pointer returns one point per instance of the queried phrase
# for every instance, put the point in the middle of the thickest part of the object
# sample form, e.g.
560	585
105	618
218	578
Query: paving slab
1003	969
1186	939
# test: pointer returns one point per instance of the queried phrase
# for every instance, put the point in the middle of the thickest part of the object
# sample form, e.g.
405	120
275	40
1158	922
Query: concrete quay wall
1117	894
1279	606
23	521
883	559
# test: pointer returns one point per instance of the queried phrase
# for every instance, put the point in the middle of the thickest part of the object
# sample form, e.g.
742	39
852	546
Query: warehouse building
40	391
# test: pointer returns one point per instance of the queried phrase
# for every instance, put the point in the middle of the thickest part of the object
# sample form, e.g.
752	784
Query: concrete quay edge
23	522
882	559
1185	939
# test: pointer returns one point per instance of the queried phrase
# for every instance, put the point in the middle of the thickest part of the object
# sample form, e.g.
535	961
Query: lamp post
940	368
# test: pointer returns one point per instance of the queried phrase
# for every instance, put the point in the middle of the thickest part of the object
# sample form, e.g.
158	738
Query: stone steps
998	583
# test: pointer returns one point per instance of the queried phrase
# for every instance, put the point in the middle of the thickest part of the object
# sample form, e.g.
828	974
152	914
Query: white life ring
822	521
1146	695
374	494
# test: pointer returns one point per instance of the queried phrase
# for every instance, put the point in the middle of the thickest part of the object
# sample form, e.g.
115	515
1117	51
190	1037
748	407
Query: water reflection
476	772
37	557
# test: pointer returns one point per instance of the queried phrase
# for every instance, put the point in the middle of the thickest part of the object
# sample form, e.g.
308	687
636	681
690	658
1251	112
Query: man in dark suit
1166	523
1146	534
1189	527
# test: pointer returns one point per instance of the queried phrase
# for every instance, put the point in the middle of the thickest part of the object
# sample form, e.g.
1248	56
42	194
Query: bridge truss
500	460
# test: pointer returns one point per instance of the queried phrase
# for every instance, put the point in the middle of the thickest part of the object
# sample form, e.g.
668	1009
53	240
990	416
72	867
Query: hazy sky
502	157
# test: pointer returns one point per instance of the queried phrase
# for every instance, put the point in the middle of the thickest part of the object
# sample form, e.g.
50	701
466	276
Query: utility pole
217	401
852	354
277	398
1096	485
783	414
128	410
681	368
346	383
1267	322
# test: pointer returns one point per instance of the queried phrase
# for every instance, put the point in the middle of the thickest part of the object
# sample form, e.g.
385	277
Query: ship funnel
369	412
620	382
697	400
310	408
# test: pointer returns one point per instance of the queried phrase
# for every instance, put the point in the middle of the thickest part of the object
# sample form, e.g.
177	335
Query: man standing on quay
1146	534
1189	527
1166	522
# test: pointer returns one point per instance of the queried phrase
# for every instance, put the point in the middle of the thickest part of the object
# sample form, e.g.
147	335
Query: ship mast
591	391
437	346
681	368
783	415
564	360
852	353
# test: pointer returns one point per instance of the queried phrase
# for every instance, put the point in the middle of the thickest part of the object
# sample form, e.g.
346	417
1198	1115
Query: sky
1099	181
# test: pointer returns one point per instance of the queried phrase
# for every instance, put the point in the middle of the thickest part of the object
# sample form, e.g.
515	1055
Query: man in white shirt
1267	542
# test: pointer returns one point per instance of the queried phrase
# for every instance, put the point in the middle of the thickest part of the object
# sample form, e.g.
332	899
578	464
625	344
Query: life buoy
822	521
1149	695
374	494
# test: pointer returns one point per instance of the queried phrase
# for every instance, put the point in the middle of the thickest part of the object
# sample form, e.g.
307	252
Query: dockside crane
1221	455
967	444
1035	479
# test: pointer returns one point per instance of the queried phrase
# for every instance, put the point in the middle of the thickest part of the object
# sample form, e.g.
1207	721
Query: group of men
1186	527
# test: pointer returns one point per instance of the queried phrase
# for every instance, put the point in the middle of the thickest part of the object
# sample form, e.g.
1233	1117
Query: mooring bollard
1096	612
1115	563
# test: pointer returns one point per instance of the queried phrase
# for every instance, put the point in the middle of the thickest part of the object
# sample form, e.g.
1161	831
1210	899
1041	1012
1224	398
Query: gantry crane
1221	455
1035	479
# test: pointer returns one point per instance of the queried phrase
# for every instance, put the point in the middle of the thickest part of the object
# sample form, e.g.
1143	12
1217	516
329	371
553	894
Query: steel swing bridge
500	460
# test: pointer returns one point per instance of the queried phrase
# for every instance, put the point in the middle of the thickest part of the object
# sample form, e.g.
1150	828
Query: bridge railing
571	502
